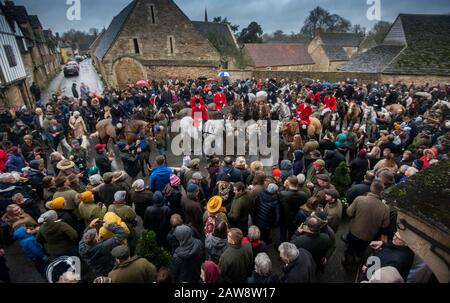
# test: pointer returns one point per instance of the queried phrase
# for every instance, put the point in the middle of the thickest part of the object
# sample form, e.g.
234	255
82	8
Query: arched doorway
128	71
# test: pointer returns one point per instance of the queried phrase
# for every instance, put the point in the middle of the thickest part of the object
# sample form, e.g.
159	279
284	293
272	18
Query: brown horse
105	131
134	129
353	114
291	128
398	109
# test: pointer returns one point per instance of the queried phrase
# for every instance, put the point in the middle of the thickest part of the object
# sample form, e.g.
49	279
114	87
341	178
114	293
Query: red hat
362	153
276	172
100	146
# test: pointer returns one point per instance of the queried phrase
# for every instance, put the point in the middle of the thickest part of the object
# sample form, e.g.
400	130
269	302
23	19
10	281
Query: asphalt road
23	271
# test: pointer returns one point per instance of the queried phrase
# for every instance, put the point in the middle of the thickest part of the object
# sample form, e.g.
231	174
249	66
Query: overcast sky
287	15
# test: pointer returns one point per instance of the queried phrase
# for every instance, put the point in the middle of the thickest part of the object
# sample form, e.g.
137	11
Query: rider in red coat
199	113
304	111
330	104
195	97
220	100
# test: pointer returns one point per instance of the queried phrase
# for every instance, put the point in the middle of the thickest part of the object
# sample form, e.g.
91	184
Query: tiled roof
428	45
335	53
113	30
20	12
220	36
343	39
374	60
264	55
34	21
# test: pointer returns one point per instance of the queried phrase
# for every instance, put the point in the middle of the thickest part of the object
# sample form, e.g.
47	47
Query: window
152	14
171	45
21	44
10	55
136	46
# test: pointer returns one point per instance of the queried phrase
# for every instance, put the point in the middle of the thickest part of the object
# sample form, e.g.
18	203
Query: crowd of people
219	218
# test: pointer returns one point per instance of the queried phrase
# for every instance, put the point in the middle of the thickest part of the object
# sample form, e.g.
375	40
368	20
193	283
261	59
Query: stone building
416	49
278	57
153	39
41	61
331	50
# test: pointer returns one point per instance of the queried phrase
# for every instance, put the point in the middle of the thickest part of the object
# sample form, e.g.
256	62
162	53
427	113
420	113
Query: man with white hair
299	264
263	270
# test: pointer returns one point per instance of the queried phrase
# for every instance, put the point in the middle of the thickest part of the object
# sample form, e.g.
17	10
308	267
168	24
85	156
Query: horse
291	128
106	130
396	109
135	129
281	111
330	121
353	113
342	108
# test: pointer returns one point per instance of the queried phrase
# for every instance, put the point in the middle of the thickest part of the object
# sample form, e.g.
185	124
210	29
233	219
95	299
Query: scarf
224	192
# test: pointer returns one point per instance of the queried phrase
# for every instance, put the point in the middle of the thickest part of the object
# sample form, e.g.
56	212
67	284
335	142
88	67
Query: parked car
71	69
78	58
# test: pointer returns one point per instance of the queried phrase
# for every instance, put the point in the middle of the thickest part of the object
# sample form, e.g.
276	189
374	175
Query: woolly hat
99	147
323	177
272	188
214	204
362	153
87	197
197	176
418	164
192	188
57	203
49	216
276	172
174	181
120	196
158	198
138	185
95	180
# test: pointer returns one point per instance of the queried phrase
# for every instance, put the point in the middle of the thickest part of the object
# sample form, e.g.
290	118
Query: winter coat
192	213
358	169
215	247
131	164
333	159
141	200
357	190
234	173
134	270
334	214
290	201
91	211
286	169
258	279
78	126
71	199
98	255
15	163
258	246
125	213
106	193
173	195
187	258
157	218
400	257
57	237
301	270
30	246
159	178
317	245
326	145
103	163
309	147
3	159
267	210
236	263
369	215
75	92
298	165
240	209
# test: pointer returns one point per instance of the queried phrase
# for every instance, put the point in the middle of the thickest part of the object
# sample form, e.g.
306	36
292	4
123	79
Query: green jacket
126	213
240	207
236	262
91	211
57	237
134	270
71	197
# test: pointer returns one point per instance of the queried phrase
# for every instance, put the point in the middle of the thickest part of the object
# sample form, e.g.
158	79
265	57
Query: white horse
282	111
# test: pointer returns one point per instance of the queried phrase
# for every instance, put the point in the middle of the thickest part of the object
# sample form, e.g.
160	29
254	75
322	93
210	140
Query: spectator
160	176
299	264
263	271
131	270
157	218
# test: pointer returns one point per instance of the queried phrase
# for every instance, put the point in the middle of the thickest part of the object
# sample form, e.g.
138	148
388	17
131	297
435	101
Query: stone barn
153	39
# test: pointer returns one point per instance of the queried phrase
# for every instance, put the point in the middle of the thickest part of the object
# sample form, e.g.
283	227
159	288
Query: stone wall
180	72
327	76
417	79
11	97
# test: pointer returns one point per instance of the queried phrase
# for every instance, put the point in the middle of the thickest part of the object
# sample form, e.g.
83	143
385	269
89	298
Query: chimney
317	31
9	3
206	14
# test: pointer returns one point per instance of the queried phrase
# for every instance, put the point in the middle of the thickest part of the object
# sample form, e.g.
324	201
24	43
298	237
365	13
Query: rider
220	100
199	111
304	111
330	104
196	97
118	114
